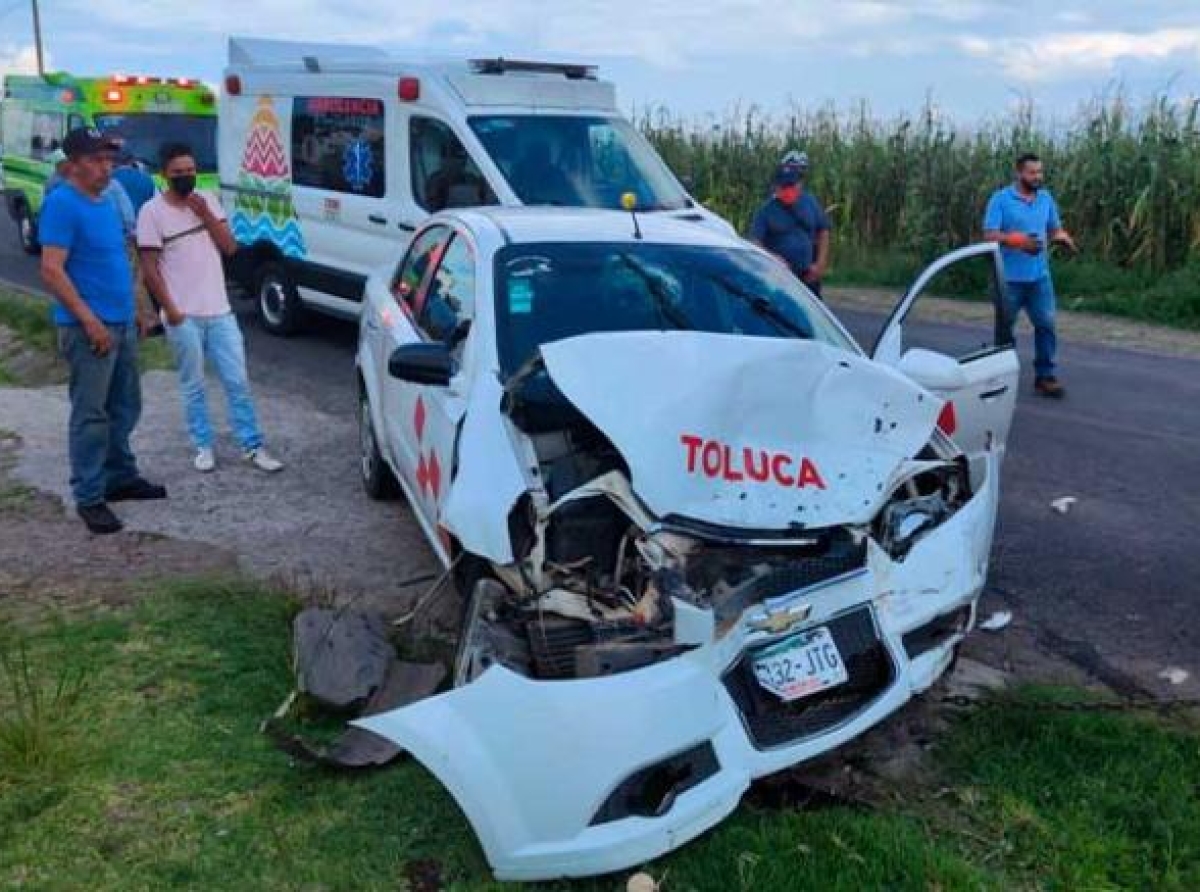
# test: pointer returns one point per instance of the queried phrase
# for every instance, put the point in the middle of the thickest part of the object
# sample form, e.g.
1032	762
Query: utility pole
37	39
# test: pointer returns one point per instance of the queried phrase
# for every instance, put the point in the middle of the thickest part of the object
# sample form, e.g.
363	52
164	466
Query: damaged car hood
755	433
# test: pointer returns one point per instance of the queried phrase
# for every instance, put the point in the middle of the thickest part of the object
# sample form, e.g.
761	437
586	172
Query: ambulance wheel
279	307
27	231
377	477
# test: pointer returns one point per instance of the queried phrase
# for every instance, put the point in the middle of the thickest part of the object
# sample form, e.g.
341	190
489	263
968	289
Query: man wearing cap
793	225
86	268
1023	218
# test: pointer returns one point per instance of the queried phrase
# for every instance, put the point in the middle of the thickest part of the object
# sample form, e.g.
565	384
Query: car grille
771	722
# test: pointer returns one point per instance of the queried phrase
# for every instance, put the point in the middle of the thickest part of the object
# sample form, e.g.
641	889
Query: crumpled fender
489	479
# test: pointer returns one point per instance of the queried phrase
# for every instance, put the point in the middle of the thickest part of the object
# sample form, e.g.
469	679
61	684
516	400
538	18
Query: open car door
973	367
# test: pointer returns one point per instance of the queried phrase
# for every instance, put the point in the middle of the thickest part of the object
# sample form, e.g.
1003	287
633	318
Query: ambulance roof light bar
503	66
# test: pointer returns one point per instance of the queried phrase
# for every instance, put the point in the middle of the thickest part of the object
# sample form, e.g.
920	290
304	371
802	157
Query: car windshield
145	134
547	292
574	161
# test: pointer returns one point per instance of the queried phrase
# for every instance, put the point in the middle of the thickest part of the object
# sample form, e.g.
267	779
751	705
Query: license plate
800	666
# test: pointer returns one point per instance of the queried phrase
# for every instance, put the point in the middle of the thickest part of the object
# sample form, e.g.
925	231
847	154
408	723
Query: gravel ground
310	526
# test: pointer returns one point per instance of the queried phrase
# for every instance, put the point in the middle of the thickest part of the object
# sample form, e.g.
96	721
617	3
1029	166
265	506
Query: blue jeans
106	402
219	340
1037	299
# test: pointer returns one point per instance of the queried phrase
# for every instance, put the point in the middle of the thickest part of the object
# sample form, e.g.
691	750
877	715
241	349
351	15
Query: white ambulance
331	156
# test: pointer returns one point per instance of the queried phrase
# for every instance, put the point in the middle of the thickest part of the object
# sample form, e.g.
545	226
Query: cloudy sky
694	58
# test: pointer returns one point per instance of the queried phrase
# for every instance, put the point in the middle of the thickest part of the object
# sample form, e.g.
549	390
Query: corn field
1127	179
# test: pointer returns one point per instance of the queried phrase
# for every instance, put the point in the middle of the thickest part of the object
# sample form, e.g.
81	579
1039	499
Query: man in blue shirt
86	267
138	184
1023	218
793	225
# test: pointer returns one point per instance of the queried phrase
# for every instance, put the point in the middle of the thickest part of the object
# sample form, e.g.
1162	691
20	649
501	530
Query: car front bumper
552	775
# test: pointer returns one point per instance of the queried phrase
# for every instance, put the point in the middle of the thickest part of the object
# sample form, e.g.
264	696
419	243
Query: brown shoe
1049	386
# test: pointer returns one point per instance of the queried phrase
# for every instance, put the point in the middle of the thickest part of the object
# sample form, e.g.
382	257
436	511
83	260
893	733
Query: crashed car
701	536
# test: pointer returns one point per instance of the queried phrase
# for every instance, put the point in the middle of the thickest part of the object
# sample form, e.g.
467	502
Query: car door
445	312
972	365
404	429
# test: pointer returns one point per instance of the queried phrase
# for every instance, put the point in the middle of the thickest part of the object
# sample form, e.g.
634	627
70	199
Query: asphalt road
1112	585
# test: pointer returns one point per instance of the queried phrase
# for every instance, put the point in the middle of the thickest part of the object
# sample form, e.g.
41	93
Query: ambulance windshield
578	161
145	134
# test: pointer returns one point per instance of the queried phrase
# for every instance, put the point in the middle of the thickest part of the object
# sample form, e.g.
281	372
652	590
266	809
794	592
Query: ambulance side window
48	131
338	145
443	174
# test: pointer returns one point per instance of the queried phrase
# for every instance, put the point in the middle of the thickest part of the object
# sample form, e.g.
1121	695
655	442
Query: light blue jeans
1037	299
219	340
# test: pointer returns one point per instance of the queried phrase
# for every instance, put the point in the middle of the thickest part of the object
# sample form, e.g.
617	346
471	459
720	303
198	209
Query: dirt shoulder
1110	331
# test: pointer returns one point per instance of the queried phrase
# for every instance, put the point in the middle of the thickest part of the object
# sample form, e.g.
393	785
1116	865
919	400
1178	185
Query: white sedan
701	535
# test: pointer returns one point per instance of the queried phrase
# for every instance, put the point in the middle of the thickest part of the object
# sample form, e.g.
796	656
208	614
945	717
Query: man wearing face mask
793	225
1023	218
181	236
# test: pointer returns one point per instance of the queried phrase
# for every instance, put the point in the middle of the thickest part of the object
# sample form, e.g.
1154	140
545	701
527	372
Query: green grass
29	317
165	782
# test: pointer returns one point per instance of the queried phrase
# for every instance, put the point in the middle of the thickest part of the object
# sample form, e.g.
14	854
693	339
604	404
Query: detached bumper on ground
580	777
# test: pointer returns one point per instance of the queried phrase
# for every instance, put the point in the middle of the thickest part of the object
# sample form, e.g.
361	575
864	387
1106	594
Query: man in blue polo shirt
1023	218
86	268
793	226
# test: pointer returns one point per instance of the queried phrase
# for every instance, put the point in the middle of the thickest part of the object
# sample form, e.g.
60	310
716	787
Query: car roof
526	225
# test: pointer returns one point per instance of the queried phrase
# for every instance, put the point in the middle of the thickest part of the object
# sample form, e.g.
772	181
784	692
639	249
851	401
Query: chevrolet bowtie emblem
779	619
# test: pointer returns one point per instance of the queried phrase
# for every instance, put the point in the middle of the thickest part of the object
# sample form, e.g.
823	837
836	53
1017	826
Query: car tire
279	308
27	231
377	478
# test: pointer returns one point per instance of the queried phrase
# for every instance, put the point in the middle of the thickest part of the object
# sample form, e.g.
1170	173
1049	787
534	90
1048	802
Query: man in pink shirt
181	235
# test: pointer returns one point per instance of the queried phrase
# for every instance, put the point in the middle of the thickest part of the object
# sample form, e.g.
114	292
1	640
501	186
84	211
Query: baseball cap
796	159
787	175
86	141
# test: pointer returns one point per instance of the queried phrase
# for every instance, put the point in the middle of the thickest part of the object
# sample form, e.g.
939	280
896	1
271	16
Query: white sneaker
204	461
263	460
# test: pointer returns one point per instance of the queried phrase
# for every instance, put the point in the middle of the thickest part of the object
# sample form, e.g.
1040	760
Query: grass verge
28	317
165	782
1082	285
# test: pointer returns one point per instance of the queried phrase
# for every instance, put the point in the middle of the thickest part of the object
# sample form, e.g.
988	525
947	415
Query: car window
422	255
443	174
450	297
577	161
929	327
548	292
338	145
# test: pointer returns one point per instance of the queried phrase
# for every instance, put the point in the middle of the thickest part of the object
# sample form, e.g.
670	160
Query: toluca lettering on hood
718	460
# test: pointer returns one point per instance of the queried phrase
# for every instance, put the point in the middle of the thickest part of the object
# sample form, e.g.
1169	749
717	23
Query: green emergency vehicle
36	112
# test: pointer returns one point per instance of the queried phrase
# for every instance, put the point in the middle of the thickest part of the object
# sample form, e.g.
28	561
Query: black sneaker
99	519
137	490
1050	387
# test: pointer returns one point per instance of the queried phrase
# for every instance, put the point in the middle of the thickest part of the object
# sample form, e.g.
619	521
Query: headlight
920	504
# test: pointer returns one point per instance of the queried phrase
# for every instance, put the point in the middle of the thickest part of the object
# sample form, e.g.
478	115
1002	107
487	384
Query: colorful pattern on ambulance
264	210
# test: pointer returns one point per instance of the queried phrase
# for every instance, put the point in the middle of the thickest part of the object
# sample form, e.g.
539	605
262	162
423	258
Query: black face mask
183	186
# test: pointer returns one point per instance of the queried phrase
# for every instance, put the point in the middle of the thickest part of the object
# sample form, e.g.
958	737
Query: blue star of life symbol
358	165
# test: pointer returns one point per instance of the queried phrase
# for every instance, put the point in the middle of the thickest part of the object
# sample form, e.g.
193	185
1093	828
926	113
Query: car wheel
27	231
279	306
377	477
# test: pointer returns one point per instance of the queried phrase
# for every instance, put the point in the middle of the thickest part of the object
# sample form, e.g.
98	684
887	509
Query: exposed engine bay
599	583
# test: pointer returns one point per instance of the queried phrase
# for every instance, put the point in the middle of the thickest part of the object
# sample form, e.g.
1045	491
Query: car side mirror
933	371
423	363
